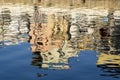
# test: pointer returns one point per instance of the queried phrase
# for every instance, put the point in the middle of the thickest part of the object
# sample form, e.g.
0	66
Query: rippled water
58	44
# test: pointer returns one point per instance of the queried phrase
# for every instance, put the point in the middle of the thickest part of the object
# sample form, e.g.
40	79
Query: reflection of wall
49	39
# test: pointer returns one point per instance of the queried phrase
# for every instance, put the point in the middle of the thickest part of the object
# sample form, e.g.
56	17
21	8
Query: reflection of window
39	38
104	32
39	43
83	1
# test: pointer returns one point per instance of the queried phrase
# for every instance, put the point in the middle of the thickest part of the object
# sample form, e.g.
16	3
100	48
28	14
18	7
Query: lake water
60	45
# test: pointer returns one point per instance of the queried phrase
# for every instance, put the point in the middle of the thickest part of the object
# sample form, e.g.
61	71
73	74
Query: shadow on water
65	40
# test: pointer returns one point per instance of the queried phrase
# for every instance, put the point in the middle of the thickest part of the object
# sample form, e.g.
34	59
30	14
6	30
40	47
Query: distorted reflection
14	26
109	59
50	39
58	34
61	34
109	64
57	58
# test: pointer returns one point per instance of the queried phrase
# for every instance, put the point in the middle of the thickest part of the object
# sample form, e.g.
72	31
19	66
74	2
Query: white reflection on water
14	25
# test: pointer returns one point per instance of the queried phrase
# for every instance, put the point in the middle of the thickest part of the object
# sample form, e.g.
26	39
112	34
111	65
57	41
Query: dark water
35	45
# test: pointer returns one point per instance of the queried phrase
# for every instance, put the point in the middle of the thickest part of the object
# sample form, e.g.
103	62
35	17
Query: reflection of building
109	64
13	29
109	59
57	58
82	31
109	35
47	31
50	60
53	60
75	3
49	39
115	33
91	31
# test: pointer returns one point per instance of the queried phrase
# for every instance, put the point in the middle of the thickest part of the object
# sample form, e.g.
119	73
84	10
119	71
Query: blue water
15	64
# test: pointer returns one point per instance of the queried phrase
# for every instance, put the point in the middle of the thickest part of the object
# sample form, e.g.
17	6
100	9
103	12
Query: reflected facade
81	31
109	59
50	39
61	34
58	33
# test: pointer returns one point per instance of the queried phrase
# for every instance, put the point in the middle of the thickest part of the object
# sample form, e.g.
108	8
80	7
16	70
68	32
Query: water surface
38	43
